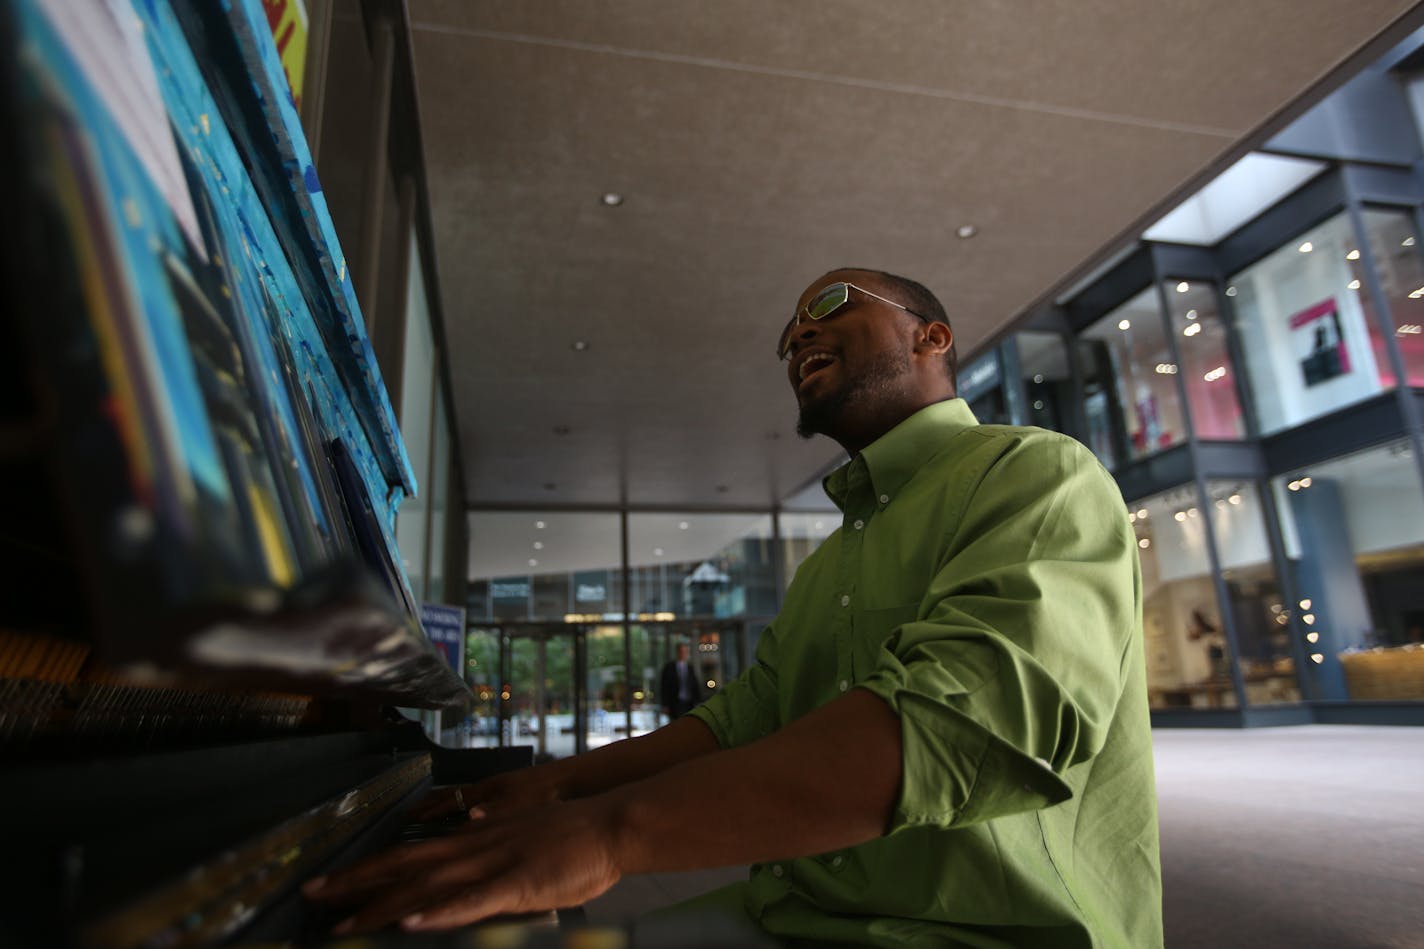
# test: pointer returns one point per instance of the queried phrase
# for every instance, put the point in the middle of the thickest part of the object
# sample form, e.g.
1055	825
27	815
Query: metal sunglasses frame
846	286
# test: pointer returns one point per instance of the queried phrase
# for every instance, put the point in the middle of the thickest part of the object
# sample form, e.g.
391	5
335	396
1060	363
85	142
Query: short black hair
917	297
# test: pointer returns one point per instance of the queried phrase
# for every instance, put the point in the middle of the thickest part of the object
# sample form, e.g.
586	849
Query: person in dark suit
680	686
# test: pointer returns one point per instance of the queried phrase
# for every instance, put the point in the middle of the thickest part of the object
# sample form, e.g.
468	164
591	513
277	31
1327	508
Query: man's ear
935	340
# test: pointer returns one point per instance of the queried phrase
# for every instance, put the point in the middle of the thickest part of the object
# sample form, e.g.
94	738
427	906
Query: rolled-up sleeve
1011	672
747	707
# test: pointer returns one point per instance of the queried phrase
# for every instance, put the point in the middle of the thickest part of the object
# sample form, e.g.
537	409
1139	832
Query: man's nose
804	332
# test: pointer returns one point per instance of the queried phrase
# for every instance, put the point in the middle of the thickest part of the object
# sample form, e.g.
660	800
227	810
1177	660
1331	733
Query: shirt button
845	600
837	860
844	685
777	871
884	499
859	525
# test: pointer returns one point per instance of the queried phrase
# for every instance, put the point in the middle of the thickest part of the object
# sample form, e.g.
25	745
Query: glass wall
1129	347
1306	330
417	405
1354	535
1206	367
1394	245
801	534
1048	379
1188	659
1256	604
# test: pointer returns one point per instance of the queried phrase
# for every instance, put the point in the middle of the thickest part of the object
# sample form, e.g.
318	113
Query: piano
205	631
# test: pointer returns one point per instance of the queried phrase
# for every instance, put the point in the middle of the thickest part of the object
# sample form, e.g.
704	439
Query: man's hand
557	856
501	795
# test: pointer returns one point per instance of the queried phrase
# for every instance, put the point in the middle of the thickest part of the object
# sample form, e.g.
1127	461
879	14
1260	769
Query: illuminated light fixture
1409	329
1221	504
1282	619
1191	314
1191	512
1166	369
1276	607
612	199
966	231
1144	543
533	562
538	545
579	346
1038	403
657	551
1353	285
1179	516
819	525
1038	377
539	525
1132	517
711	683
1231	291
1305	482
1215	374
1124	324
1312	637
1353	255
1307	247
1416	294
1407	242
1142	513
1317	658
1192	329
1293	486
1305	604
1235	499
1308	619
1183	287
682	525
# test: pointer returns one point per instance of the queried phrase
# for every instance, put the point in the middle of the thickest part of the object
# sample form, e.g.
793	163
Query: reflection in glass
1131	344
1188	659
1206	368
1048	381
1258	610
1354	535
1305	329
541	689
481	728
802	533
1394	244
606	686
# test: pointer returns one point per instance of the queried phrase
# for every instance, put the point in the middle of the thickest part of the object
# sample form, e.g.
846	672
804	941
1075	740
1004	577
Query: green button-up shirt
984	583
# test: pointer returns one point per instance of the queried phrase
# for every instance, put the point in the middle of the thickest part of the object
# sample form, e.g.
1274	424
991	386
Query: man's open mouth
812	364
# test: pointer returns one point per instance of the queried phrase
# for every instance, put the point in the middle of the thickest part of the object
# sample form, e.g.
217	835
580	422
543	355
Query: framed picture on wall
1320	343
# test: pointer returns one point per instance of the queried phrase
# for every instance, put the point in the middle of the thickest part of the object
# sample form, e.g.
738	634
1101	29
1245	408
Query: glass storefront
1047	379
1188	656
1129	347
1394	246
1310	342
1354	536
1206	369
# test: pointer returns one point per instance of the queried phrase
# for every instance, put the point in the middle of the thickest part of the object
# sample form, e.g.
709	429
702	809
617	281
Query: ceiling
757	144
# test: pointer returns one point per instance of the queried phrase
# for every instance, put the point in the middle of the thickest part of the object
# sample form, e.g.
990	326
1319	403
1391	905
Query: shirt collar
893	458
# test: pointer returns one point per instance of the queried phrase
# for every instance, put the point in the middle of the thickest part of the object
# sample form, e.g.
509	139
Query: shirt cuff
954	771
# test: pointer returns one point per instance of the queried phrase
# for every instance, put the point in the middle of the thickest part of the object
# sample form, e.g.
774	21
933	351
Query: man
944	739
681	689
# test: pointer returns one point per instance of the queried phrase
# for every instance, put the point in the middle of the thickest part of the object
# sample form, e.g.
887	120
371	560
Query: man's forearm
827	780
623	762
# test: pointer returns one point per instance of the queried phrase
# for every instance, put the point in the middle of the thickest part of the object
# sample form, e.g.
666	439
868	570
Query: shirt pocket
870	629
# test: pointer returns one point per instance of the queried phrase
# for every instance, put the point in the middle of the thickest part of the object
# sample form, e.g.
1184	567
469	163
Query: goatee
877	380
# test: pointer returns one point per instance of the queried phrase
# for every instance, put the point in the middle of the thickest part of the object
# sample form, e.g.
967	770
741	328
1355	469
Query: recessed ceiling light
682	525
1191	314
1353	285
612	199
1231	291
538	545
533	562
580	346
538	525
1183	287
1125	324
1038	377
1307	247
1353	255
657	551
966	231
1407	242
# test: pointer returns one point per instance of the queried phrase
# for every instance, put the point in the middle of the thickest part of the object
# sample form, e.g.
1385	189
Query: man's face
682	652
852	363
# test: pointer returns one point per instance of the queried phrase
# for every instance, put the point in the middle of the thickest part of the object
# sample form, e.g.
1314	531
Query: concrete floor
1301	837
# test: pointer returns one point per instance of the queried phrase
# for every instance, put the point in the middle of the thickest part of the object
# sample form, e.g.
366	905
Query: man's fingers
395	865
470	905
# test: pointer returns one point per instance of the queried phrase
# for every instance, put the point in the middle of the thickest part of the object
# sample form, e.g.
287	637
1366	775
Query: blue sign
445	625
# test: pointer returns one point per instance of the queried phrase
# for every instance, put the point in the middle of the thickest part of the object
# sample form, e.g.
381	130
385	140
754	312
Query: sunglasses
827	303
